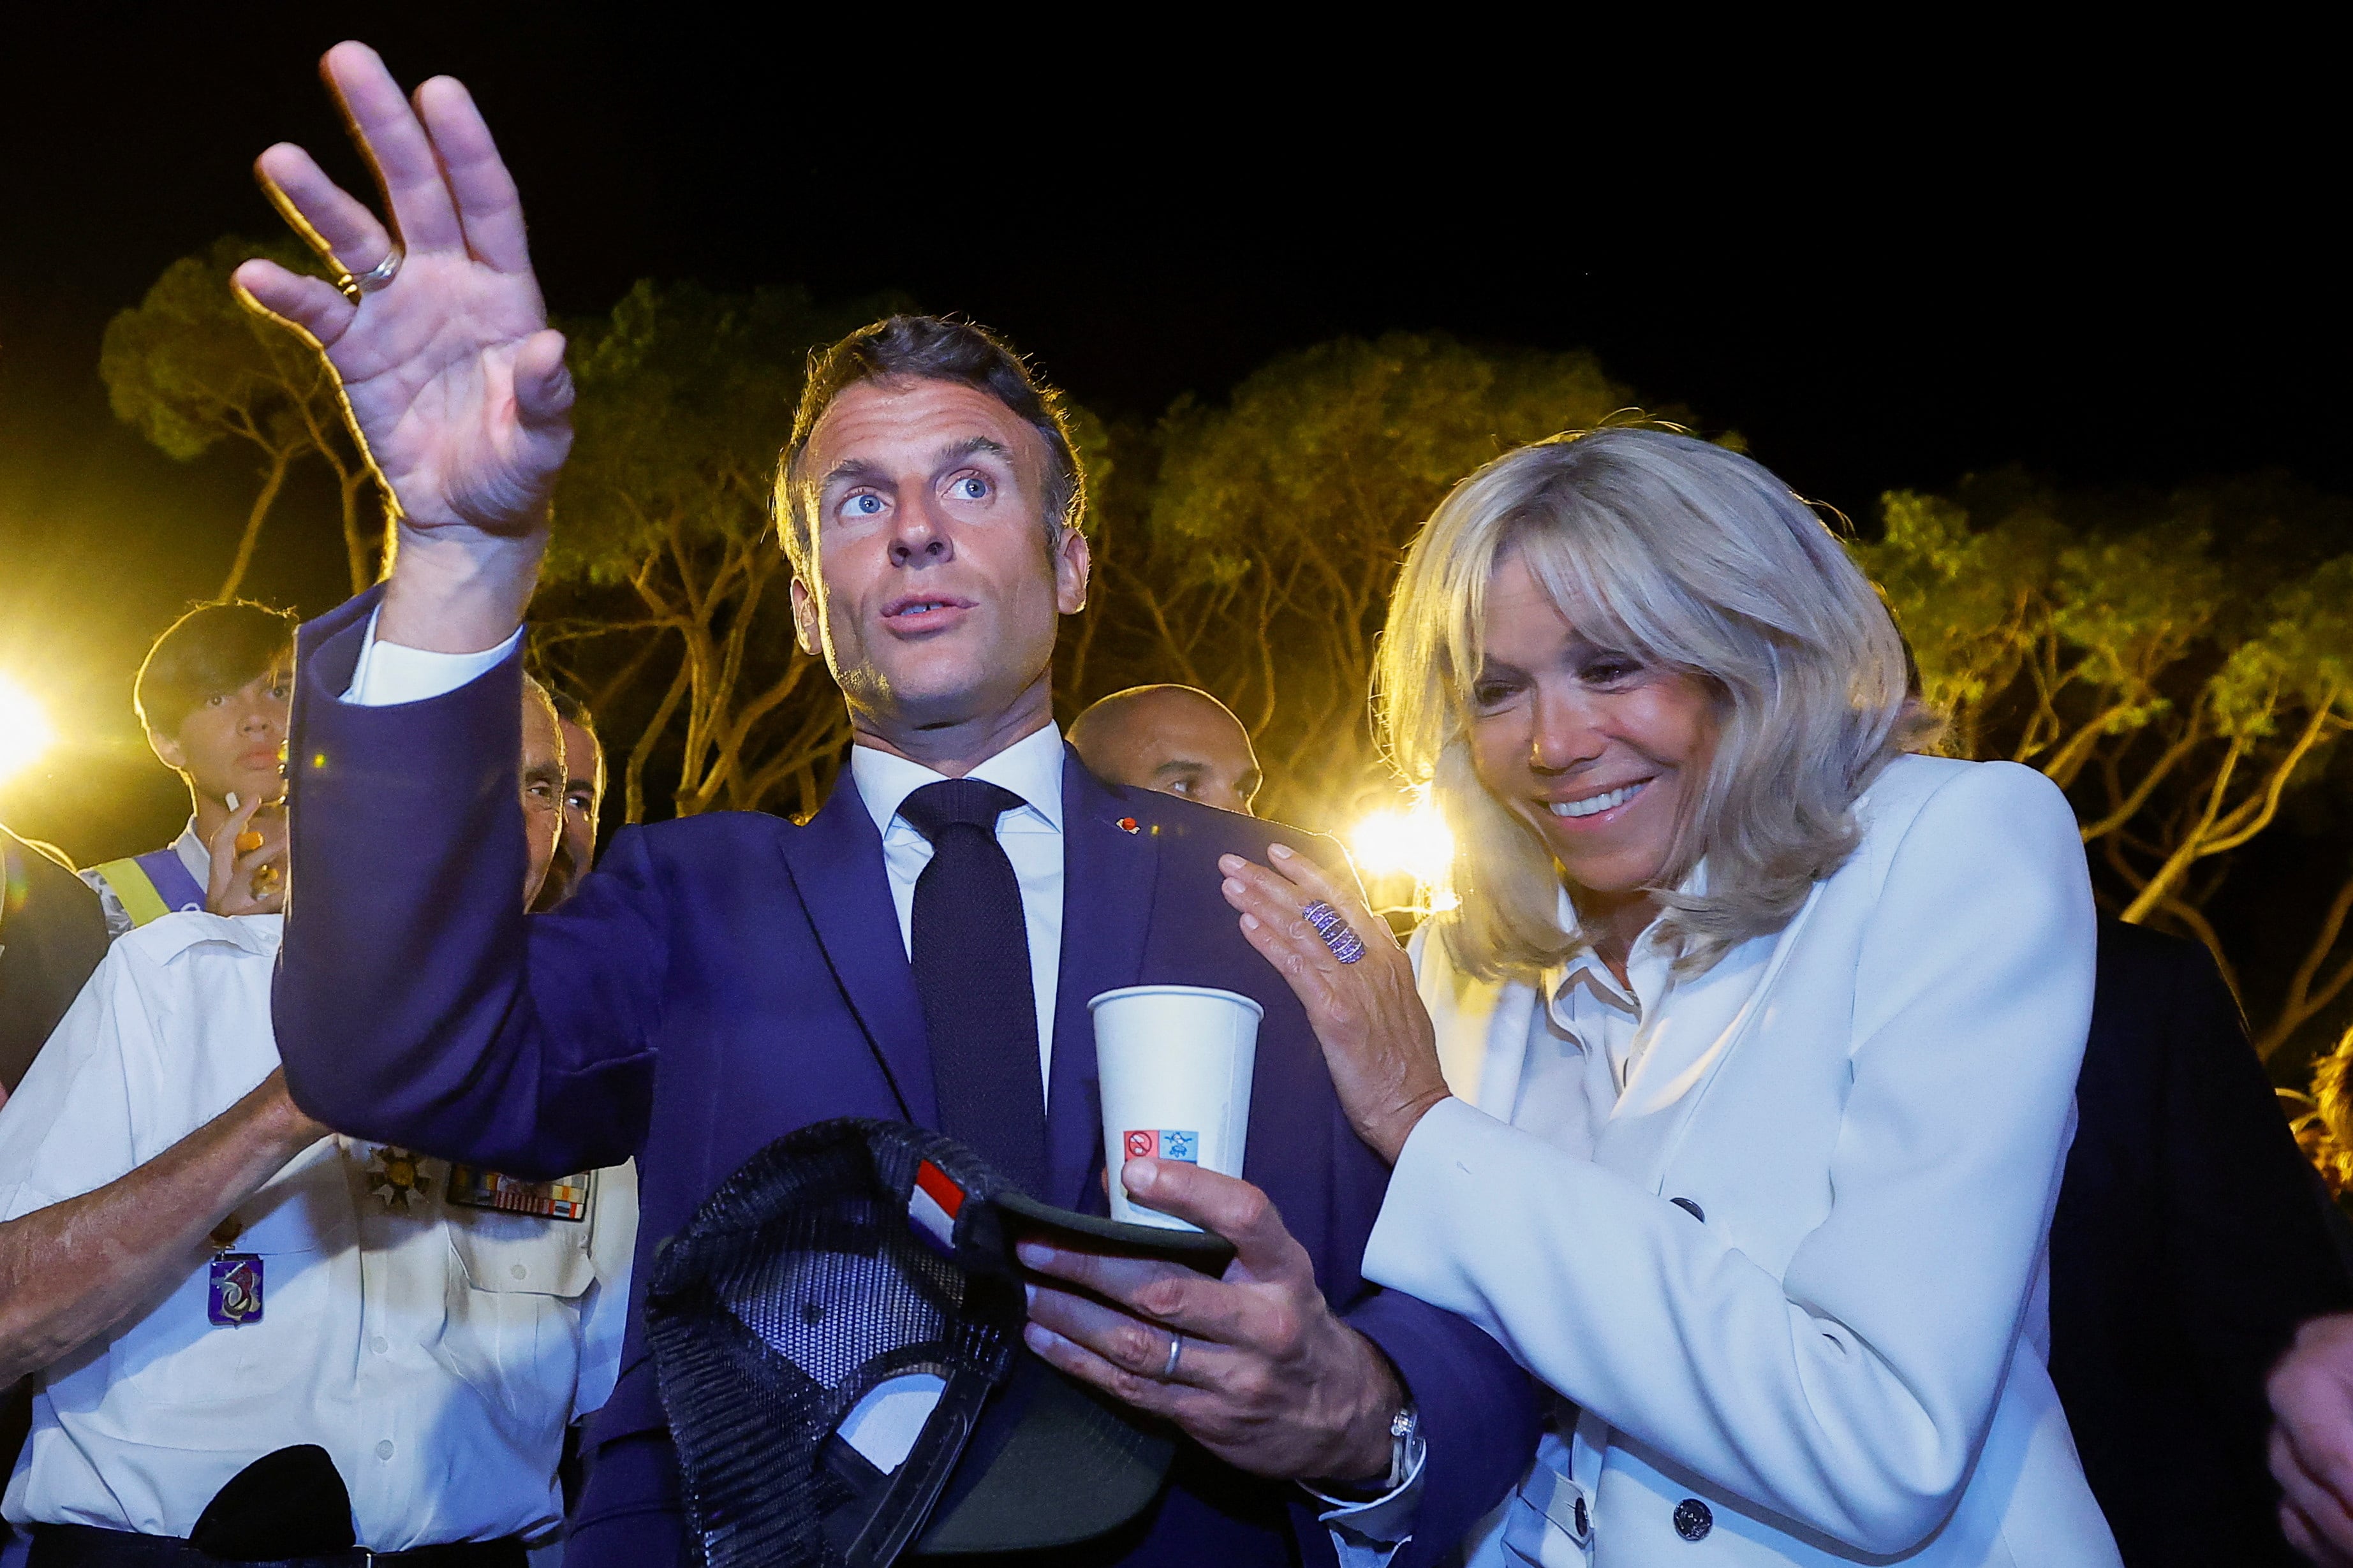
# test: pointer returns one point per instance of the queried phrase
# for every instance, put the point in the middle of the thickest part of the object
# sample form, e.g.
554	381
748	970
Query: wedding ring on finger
354	284
1175	1354
1346	945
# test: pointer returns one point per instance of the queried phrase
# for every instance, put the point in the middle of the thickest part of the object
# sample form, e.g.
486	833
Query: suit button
1692	1520
1690	1209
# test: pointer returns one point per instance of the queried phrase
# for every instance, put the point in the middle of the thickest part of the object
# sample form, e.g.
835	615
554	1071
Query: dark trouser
81	1546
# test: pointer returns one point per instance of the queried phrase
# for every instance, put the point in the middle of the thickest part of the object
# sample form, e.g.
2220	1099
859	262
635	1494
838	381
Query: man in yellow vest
211	695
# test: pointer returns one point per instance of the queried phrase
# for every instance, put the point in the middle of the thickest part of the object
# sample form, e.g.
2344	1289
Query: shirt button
379	1345
519	1272
384	1451
1692	1520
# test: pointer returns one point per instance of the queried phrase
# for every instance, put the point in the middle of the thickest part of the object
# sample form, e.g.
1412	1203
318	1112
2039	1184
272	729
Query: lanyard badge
235	1297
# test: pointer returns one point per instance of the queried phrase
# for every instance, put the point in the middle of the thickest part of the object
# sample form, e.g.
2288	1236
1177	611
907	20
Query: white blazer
1836	1352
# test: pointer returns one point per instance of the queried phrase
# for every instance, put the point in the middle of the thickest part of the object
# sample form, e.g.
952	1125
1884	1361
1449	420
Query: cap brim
1054	1463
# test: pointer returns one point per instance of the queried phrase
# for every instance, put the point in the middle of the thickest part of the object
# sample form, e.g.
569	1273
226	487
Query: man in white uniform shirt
201	1276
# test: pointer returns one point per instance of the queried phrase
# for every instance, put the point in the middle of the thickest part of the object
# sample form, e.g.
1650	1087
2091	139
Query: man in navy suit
724	980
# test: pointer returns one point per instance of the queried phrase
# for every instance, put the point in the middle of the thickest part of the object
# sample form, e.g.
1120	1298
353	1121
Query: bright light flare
1413	843
24	732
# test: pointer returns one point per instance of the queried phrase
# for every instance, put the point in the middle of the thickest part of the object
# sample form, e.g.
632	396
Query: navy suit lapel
837	865
1107	886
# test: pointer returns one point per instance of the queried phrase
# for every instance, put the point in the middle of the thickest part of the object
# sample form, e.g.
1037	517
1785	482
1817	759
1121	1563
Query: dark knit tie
970	948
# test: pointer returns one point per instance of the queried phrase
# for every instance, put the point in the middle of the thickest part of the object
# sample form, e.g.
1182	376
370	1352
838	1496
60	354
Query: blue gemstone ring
1346	945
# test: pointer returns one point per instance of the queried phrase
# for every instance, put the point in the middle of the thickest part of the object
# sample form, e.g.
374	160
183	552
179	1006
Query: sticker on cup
1174	1063
1165	1143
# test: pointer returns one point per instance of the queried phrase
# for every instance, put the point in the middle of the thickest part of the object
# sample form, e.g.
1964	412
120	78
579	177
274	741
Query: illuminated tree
2177	689
667	584
1271	538
188	367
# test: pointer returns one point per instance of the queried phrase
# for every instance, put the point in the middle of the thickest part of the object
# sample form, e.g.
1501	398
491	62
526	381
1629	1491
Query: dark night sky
2137	298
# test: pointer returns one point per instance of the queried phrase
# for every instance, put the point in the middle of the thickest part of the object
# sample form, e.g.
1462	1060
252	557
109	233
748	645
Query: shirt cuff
1367	1534
389	674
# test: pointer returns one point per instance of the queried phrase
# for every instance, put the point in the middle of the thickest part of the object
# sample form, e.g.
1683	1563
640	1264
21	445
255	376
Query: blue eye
972	487
863	506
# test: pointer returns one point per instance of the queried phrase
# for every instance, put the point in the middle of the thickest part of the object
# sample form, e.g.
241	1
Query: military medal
234	1299
395	1179
474	1187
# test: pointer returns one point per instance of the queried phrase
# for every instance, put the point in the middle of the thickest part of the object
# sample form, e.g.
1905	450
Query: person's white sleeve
1367	1534
389	674
612	1247
1852	1392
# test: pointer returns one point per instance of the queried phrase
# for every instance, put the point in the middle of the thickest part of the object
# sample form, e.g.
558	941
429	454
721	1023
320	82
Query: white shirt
1031	838
1585	1041
1364	1535
189	846
437	1351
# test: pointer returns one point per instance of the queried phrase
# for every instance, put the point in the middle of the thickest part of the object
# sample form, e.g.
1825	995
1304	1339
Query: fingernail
1029	1294
1037	1338
1232	888
1034	1254
1280	851
1140	1172
1229	863
1249	922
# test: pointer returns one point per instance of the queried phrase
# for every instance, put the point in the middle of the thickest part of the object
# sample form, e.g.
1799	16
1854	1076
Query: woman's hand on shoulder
1376	1034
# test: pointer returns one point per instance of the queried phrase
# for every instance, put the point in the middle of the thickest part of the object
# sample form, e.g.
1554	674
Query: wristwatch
1404	1446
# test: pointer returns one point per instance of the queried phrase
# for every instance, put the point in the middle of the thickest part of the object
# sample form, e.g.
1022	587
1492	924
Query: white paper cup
1174	1063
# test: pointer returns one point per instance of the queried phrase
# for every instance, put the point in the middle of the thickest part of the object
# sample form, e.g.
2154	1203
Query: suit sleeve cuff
1367	1534
389	674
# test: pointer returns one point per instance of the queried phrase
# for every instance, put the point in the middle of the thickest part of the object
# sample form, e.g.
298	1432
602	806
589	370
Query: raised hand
455	381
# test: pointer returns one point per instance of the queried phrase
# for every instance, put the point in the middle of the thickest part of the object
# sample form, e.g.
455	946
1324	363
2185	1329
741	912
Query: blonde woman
1734	1097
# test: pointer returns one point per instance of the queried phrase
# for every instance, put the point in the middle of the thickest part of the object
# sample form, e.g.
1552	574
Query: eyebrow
1179	765
850	469
971	446
543	772
865	470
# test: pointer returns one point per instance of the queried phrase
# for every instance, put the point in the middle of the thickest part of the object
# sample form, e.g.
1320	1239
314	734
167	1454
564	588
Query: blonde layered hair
1687	556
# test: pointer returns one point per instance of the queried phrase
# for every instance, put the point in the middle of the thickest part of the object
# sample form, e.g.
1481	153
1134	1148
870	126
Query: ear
167	751
804	618
1073	561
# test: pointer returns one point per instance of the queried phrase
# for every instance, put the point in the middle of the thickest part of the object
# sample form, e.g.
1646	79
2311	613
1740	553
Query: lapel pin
1127	825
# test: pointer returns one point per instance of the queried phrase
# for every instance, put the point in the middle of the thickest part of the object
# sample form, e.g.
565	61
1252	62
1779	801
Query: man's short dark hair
929	348
209	652
571	707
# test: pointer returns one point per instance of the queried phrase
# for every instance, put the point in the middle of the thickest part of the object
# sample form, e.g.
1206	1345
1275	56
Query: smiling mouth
1594	805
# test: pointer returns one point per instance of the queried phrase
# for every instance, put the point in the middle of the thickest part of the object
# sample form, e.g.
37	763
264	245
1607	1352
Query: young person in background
212	696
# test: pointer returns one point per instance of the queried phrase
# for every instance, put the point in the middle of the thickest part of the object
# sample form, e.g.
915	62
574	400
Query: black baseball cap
851	1260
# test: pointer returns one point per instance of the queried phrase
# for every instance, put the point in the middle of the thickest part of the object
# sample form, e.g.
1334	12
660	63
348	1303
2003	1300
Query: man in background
584	799
2189	1241
1177	739
213	697
268	1341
